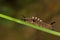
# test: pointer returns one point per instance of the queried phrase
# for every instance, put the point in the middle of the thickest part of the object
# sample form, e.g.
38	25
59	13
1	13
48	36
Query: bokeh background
47	10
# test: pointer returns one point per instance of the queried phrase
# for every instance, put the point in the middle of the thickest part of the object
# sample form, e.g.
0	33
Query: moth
37	21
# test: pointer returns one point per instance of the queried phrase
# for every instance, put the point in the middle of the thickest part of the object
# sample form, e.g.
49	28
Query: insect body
37	21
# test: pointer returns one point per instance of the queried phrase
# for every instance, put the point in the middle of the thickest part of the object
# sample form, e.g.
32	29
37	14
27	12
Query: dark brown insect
37	21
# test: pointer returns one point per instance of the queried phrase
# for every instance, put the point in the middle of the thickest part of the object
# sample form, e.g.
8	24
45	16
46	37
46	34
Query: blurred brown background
47	10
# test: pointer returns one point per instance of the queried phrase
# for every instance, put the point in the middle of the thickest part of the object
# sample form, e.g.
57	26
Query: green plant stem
30	25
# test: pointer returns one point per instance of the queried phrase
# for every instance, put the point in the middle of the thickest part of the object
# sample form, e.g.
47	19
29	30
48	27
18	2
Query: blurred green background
47	10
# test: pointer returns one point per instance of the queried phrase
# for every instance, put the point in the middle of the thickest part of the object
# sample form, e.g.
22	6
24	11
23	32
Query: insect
37	21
